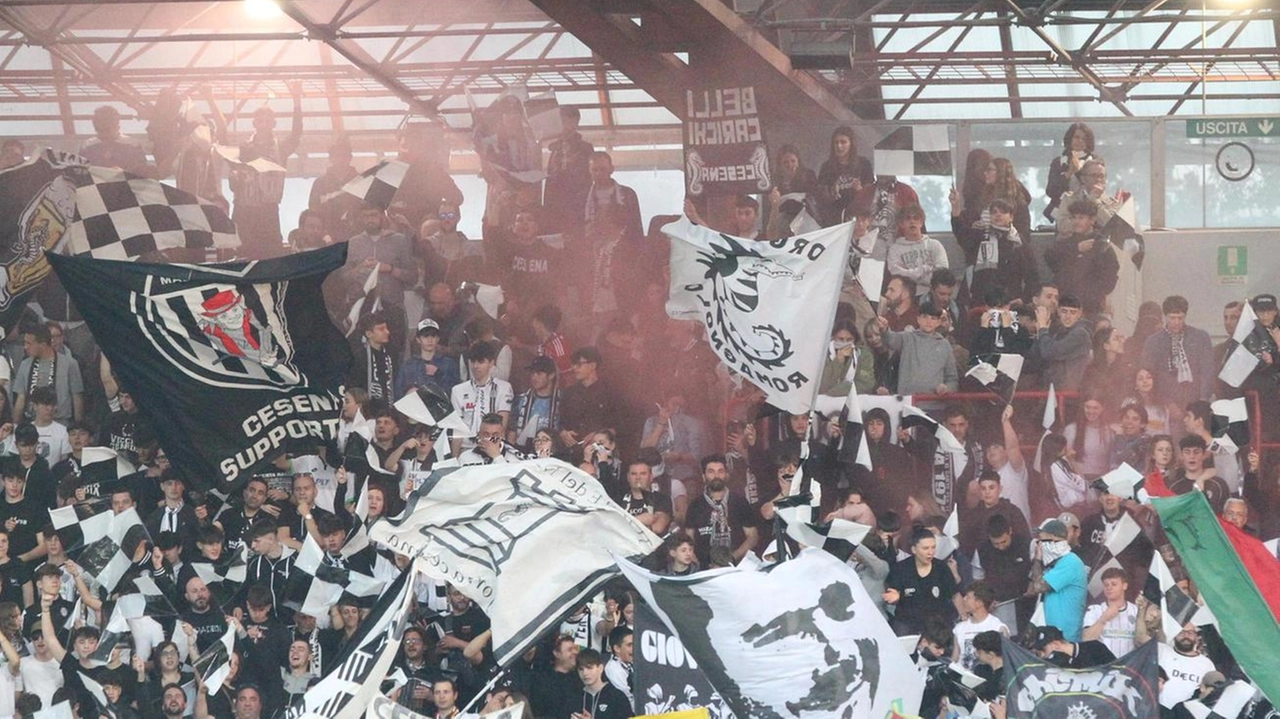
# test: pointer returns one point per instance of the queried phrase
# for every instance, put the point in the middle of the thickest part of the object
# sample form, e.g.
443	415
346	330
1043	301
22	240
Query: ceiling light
262	9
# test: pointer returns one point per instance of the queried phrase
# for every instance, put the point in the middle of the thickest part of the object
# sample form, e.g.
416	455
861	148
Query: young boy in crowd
914	254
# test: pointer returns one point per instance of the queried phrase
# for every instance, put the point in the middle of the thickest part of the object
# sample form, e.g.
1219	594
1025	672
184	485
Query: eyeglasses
448	215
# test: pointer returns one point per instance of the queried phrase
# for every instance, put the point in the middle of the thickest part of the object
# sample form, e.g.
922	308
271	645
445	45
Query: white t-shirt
967	629
474	401
1184	673
10	685
1118	633
41	678
1014	487
54	445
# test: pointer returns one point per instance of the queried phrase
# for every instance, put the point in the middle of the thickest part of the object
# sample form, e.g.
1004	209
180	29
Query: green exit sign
1234	127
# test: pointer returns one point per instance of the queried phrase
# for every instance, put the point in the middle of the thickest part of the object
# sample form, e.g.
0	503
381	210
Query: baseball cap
428	325
1069	519
1213	679
1054	528
1263	302
542	364
1046	634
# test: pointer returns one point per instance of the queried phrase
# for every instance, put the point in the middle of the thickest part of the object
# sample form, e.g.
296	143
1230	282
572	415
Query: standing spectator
677	435
898	307
1114	620
921	587
427	184
1231	314
790	177
452	316
1132	445
599	699
882	201
446	253
482	395
1060	576
1143	394
568	175
652	509
390	255
530	268
257	195
338	211
720	518
1184	664
978	600
926	363
1223	455
1077	149
1003	561
109	148
45	367
1110	369
551	343
310	234
1064	349
969	206
1180	356
428	364
841	177
606	192
375	365
1196	476
913	254
1082	263
998	254
1011	190
1090	437
587	405
538	408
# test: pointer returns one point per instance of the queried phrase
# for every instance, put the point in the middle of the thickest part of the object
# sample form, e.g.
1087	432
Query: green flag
1247	624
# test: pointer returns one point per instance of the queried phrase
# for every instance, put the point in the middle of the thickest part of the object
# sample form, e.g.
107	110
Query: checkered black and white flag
1001	378
120	216
1125	534
914	150
104	544
837	537
378	184
1231	423
214	663
347	691
1176	606
315	584
225	577
142	618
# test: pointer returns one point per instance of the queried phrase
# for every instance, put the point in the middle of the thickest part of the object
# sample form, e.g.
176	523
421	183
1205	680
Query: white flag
514	538
766	306
809	643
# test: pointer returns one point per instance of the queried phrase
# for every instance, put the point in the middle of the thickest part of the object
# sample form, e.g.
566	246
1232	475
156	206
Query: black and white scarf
720	533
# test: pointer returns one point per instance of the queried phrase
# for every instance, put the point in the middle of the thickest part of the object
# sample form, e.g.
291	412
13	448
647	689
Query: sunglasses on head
448	215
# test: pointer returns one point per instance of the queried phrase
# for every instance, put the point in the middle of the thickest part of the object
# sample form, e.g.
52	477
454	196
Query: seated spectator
1070	654
1185	665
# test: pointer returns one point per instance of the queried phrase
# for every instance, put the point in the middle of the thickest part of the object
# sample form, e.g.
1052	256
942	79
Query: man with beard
1185	665
720	518
237	520
208	622
173	703
414	662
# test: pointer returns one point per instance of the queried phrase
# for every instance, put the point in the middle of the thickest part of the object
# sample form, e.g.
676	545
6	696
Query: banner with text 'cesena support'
231	363
724	148
667	678
767	305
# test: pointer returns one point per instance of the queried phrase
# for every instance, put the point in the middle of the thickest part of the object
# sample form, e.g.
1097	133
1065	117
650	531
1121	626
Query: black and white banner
766	306
252	339
512	537
37	205
809	642
667	677
724	148
1124	689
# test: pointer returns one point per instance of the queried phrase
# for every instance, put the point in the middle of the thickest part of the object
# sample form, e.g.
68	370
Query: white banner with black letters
766	306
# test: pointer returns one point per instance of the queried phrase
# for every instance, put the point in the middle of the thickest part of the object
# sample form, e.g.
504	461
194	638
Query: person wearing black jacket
1051	646
1083	263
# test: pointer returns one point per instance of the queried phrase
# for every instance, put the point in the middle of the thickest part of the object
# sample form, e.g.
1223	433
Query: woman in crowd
1110	369
920	587
1008	187
1144	393
885	362
1077	149
842	176
1163	458
847	356
790	174
1090	437
1068	487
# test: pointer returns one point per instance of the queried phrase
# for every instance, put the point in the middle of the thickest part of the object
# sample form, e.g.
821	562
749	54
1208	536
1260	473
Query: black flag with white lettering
232	363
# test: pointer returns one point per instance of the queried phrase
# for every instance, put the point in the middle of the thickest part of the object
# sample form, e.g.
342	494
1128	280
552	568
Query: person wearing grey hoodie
926	363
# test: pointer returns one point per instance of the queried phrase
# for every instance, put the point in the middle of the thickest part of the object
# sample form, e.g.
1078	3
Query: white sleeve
506	397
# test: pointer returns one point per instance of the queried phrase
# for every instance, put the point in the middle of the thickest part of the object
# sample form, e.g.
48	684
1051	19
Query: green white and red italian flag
1238	578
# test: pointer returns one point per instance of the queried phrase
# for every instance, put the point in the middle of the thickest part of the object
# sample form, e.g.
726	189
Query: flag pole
813	399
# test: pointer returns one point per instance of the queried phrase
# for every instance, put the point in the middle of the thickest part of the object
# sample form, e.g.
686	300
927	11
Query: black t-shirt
235	526
120	431
71	671
42	488
15	575
738	518
650	503
29	517
60	612
209	626
466	626
920	598
297	525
